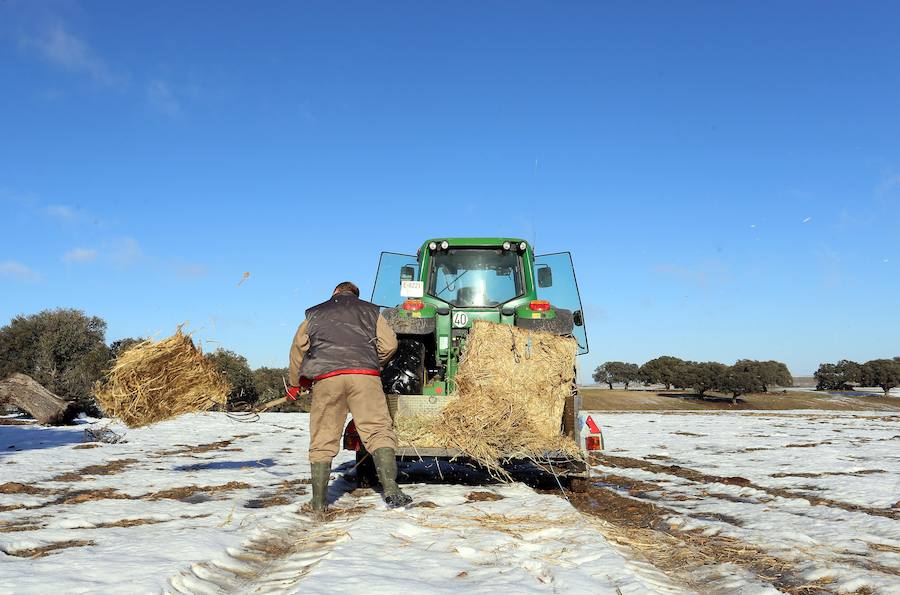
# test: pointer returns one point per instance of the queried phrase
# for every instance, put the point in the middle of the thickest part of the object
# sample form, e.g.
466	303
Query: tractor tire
563	324
405	373
366	476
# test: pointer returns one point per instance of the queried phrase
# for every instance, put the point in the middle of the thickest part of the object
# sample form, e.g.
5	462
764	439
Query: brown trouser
332	398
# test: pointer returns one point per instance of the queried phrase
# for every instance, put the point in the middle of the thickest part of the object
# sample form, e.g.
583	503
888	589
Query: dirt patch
15	527
634	486
483	497
642	527
14	487
718	517
424	504
828	473
677	470
6	421
808	444
46	550
86	445
196	448
880	547
82	496
266	501
697	476
126	523
110	468
182	493
332	513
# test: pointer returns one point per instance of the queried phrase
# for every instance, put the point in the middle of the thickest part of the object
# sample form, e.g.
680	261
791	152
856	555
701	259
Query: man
339	349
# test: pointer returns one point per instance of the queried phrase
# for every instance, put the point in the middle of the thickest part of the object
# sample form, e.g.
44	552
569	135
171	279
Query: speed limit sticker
460	319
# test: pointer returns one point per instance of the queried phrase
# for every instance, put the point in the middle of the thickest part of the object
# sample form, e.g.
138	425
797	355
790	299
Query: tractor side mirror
578	318
407	273
545	277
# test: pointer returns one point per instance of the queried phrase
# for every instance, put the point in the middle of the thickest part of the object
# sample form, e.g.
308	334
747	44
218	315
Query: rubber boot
386	467
321	473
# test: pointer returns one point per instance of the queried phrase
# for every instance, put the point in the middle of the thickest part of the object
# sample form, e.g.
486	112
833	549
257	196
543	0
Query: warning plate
412	289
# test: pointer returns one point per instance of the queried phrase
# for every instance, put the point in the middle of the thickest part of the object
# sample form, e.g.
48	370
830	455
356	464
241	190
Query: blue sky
726	175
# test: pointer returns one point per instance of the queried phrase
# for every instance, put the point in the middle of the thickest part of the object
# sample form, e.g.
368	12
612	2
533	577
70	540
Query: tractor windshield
475	277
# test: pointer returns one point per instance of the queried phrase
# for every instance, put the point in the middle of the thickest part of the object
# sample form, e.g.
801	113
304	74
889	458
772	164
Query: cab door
556	283
393	270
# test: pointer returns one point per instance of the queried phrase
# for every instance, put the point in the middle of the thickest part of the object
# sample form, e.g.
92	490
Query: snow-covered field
238	529
207	504
818	489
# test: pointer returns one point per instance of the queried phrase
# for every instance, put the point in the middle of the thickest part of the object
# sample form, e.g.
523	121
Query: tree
770	373
237	372
849	372
662	370
63	350
743	377
838	376
826	376
621	372
703	376
602	376
269	382
117	347
884	373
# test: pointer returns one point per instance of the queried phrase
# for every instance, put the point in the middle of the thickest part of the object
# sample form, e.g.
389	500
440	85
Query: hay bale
154	381
512	386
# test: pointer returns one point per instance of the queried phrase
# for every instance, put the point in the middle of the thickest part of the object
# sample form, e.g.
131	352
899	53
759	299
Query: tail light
351	437
539	305
413	305
593	443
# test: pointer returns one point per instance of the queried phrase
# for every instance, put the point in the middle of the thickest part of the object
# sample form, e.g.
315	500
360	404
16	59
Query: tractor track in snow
631	513
276	560
616	461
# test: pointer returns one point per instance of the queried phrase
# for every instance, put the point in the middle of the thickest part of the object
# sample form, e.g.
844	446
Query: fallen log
24	393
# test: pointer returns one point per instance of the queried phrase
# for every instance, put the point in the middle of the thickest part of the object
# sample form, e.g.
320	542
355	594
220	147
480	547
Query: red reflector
351	437
539	305
592	443
352	443
438	389
595	429
414	305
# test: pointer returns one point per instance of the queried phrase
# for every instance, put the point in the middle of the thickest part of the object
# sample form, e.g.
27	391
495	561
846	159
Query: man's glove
293	391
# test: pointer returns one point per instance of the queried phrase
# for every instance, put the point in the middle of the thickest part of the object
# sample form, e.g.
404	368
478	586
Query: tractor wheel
366	476
405	373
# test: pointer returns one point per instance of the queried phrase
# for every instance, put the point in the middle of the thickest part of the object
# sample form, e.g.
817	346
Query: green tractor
431	300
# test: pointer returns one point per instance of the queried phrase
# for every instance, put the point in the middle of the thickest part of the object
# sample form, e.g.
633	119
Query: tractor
431	300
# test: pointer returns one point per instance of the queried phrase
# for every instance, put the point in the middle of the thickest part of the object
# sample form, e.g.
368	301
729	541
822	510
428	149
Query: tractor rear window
475	277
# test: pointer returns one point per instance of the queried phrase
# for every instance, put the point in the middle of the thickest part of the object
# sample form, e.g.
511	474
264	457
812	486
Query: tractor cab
432	298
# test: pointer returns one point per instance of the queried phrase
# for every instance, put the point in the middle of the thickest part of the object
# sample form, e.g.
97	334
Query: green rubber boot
386	467
321	473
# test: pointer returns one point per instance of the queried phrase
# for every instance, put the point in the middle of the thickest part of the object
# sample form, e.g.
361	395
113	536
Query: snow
211	541
252	537
839	460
